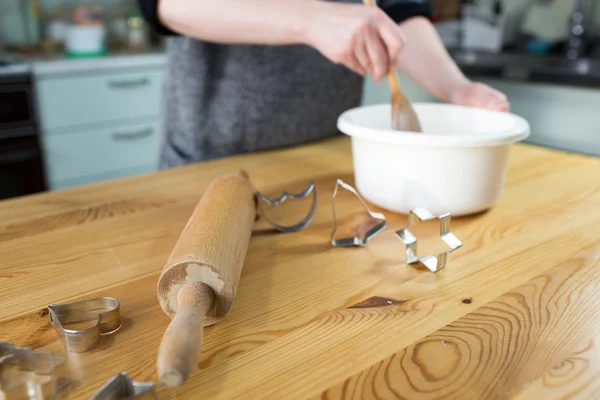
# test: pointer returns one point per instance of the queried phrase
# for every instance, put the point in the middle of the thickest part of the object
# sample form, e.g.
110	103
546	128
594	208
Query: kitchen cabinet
379	92
99	124
69	101
95	154
561	117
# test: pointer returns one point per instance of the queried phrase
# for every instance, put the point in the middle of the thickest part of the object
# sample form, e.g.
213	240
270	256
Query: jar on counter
117	28
86	35
137	32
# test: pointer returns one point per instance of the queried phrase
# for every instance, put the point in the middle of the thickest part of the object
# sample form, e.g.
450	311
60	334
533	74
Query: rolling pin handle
181	344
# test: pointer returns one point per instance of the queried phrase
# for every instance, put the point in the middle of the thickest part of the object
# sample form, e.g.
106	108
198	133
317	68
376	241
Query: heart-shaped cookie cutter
311	188
106	312
355	240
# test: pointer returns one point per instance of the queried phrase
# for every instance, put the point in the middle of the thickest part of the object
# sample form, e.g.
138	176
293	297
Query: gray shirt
222	100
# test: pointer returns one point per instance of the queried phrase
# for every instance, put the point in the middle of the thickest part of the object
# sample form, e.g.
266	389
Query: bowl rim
519	132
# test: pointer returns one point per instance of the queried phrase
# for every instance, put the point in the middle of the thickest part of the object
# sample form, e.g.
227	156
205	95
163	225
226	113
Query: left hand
479	95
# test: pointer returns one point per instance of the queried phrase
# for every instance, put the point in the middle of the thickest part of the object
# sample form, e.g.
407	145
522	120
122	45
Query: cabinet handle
128	136
128	84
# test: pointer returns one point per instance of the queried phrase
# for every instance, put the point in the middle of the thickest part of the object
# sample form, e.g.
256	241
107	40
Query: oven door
21	167
16	110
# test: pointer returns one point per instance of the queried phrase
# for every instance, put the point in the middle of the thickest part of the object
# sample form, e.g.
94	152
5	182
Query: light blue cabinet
100	97
561	117
379	92
100	151
100	124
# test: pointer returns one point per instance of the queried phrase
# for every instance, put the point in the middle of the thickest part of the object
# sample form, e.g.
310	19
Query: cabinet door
562	117
71	101
379	92
101	151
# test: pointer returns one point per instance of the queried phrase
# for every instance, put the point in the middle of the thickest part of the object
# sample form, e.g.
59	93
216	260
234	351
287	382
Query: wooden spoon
404	117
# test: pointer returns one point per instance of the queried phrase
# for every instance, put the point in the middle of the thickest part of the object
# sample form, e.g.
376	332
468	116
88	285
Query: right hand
477	94
362	38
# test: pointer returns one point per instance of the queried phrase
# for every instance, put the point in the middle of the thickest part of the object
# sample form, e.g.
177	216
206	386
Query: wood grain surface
515	338
514	314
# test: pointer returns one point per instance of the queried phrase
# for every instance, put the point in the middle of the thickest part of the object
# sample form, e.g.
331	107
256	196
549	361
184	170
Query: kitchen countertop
516	313
59	64
519	67
8	70
62	65
522	67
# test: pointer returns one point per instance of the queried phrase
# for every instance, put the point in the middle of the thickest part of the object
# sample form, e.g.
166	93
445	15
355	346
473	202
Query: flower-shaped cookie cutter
106	312
311	188
432	262
369	234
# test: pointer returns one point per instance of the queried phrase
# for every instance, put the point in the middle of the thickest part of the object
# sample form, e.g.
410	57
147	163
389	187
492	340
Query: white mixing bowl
457	165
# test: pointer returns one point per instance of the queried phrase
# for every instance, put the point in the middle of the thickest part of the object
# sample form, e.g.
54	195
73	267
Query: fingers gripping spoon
404	117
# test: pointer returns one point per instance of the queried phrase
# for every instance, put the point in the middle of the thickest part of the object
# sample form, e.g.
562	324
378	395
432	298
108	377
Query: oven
21	165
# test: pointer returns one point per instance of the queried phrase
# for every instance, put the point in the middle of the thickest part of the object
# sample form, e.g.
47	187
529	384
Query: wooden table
515	314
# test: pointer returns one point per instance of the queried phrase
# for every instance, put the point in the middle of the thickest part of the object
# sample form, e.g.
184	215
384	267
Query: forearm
426	60
268	22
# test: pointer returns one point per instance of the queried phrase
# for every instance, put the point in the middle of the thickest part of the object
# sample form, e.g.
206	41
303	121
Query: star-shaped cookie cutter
31	374
355	240
433	263
121	386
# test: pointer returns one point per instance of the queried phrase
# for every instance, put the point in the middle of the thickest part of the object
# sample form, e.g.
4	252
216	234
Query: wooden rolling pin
198	284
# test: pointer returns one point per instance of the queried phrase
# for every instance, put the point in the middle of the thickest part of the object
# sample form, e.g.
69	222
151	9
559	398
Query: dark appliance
21	165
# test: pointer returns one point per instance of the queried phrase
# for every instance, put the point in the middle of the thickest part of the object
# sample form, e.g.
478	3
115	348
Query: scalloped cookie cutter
432	262
355	240
311	188
106	312
26	374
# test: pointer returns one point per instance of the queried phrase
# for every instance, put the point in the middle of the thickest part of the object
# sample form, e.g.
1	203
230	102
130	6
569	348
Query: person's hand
479	95
362	38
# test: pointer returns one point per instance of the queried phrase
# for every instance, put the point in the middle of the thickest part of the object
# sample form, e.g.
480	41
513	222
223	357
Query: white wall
12	29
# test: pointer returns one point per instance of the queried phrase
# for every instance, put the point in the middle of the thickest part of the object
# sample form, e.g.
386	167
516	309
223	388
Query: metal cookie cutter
433	263
106	312
311	188
355	240
121	386
31	375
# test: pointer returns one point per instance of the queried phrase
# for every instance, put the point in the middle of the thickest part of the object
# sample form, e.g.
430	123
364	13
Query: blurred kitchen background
81	81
